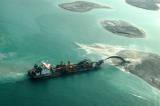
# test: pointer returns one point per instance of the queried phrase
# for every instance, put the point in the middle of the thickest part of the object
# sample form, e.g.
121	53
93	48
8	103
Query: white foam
106	50
99	48
141	97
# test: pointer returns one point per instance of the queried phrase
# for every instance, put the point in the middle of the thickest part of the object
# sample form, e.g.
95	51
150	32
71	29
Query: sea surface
36	30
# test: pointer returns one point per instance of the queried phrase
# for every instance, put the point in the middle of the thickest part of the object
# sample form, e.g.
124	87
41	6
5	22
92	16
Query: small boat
45	70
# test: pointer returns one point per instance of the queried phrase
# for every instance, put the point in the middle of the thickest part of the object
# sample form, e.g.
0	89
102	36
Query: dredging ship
45	70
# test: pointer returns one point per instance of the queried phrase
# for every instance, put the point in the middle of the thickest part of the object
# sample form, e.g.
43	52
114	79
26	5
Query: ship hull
54	74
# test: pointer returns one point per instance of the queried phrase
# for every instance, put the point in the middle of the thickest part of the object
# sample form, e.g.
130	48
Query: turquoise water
35	30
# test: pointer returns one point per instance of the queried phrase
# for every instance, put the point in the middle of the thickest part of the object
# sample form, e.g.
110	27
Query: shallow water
36	30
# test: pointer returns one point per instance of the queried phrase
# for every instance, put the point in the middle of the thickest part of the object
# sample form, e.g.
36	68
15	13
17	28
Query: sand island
82	6
145	4
122	28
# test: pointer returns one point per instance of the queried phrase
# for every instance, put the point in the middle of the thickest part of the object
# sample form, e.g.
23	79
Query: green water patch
5	41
